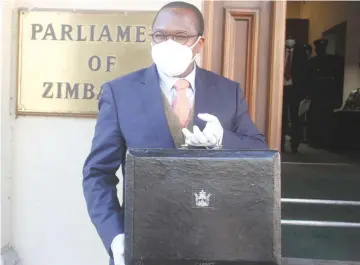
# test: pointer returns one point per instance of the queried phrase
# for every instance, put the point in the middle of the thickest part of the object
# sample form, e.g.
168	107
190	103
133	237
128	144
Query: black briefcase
202	207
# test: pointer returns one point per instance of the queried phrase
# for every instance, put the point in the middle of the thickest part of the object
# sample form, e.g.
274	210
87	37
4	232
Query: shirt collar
167	82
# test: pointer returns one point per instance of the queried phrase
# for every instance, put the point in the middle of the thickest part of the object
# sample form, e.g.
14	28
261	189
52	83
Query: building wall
6	126
42	159
323	16
293	9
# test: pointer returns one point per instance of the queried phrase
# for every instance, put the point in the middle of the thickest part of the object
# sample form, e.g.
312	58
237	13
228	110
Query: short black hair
180	4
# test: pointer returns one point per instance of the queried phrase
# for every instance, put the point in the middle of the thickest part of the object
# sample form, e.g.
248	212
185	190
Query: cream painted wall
293	9
323	16
43	157
6	126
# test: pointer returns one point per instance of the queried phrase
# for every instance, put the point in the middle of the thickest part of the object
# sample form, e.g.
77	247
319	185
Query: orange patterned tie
181	105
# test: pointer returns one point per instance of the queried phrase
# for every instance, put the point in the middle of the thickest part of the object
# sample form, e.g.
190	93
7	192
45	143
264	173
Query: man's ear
200	45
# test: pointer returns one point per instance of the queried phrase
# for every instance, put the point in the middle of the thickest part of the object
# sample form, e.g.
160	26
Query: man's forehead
176	19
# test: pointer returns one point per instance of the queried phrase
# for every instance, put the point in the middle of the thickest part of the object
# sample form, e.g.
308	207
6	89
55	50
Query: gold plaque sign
65	57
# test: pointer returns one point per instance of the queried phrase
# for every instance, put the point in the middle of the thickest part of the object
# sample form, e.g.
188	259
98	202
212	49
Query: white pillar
6	121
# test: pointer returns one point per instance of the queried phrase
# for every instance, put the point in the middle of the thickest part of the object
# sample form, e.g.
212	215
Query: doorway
320	180
320	197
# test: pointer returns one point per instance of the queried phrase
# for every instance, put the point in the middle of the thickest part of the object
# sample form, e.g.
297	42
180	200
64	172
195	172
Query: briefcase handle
188	147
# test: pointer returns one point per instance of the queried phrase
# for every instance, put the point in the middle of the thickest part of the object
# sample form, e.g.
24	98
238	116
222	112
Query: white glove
117	248
211	135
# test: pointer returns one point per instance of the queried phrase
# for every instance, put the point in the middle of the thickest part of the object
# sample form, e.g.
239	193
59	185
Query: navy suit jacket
131	115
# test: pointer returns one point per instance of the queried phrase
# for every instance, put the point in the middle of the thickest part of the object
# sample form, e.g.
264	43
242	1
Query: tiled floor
318	174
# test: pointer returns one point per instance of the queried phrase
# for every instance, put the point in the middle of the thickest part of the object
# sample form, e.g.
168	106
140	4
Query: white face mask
172	58
290	43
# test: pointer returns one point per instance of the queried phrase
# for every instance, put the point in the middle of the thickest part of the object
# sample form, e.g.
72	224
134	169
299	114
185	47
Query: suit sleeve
244	134
99	179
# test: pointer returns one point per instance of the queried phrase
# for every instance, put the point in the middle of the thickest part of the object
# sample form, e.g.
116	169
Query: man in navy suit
164	106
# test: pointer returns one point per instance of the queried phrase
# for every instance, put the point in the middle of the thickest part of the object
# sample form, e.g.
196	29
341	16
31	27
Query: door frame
278	20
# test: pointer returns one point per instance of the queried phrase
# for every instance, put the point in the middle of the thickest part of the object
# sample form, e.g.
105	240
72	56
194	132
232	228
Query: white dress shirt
167	85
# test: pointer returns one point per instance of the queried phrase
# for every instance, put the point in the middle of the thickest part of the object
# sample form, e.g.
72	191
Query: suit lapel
202	95
154	107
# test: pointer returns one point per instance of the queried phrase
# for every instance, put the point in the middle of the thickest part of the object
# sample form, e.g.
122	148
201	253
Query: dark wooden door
298	29
337	39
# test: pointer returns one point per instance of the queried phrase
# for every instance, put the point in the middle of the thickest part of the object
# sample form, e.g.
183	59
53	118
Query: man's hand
211	135
117	248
